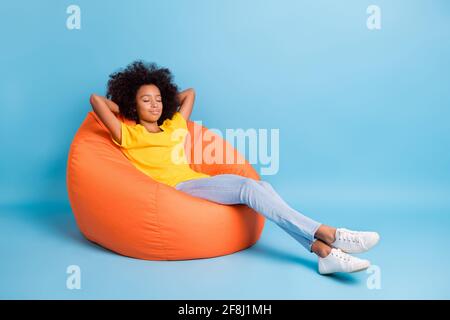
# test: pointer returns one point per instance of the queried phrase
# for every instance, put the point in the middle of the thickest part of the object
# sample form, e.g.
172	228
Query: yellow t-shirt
159	155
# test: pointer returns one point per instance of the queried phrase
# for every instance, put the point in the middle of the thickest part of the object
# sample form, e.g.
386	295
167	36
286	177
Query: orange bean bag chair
122	209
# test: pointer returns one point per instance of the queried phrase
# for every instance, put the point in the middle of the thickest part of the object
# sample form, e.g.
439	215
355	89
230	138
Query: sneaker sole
357	270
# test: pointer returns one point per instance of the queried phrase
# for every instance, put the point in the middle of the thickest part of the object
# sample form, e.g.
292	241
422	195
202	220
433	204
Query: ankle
321	249
326	233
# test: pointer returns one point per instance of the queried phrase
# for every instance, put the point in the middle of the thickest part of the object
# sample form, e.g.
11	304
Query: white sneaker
355	241
339	261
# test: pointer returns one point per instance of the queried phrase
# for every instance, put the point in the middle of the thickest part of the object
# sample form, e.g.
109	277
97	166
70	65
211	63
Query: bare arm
186	98
105	109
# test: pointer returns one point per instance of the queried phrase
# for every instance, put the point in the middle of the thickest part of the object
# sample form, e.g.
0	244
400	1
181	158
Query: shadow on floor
284	256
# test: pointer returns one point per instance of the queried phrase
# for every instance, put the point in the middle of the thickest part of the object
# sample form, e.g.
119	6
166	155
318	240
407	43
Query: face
149	103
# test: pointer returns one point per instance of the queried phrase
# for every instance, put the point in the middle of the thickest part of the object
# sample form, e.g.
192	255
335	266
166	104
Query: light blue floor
38	242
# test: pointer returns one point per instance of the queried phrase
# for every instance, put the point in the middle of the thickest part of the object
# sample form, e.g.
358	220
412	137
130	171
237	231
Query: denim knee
249	182
263	182
246	184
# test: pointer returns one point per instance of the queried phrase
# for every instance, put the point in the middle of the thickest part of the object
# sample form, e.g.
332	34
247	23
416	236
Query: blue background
364	120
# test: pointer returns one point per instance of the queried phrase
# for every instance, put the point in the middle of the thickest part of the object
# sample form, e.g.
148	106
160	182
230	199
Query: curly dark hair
124	84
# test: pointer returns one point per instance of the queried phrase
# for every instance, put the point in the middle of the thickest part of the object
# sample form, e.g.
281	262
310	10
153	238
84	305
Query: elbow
191	93
93	100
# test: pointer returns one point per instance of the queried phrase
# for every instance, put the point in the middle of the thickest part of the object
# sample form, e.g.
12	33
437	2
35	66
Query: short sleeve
130	136
178	121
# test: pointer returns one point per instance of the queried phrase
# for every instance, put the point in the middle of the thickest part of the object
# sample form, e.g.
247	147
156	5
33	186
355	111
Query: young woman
146	94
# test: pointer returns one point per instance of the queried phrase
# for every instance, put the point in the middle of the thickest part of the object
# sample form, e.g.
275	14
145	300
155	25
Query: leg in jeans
235	189
304	241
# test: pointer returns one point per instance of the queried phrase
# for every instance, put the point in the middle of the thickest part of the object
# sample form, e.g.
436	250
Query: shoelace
341	255
348	236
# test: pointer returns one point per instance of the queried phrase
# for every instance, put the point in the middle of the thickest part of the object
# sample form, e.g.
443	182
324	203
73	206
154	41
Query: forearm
109	103
112	105
187	99
105	110
186	94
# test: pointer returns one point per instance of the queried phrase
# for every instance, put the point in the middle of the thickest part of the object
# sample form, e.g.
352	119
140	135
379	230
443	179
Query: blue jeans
258	195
